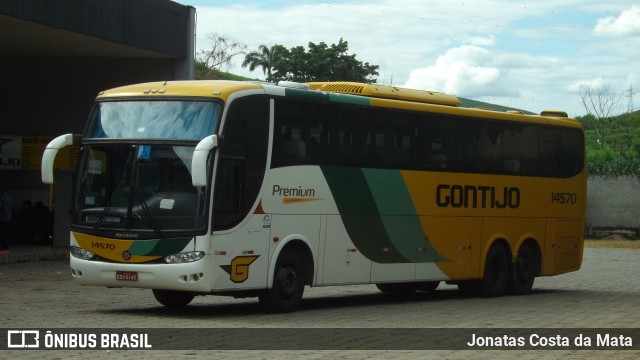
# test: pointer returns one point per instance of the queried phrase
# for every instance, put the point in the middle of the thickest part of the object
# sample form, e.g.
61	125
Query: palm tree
264	58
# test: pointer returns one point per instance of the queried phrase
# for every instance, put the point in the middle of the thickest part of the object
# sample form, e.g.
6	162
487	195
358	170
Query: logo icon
126	255
22	339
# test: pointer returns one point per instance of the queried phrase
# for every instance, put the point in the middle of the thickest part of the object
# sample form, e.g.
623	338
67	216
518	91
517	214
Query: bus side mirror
50	152
199	160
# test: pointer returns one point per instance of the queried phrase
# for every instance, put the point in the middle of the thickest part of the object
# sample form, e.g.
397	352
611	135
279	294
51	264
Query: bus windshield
177	120
145	188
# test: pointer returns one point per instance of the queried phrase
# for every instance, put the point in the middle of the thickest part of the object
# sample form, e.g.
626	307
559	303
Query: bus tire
173	298
466	287
496	273
523	271
288	284
398	288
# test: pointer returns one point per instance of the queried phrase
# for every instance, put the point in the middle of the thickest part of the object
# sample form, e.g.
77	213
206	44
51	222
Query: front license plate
127	275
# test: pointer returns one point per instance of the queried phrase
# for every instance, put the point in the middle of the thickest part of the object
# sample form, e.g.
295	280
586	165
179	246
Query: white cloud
466	71
527	55
627	24
481	40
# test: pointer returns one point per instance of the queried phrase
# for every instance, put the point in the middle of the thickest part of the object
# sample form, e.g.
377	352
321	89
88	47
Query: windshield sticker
144	152
167	203
95	167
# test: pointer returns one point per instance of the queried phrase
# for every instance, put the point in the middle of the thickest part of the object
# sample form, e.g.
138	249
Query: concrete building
55	56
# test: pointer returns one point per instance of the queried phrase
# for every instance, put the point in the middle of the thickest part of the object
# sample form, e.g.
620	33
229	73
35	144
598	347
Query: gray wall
613	205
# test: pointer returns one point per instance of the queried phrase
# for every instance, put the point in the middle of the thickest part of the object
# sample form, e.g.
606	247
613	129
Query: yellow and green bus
253	189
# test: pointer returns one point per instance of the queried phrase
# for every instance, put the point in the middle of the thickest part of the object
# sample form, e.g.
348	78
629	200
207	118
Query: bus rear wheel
524	271
288	284
496	273
173	298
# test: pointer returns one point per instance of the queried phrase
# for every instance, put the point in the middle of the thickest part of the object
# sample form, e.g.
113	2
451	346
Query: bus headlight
184	257
81	253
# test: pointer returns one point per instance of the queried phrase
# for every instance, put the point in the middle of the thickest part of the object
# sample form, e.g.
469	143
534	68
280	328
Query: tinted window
176	120
396	140
346	135
243	158
298	134
349	136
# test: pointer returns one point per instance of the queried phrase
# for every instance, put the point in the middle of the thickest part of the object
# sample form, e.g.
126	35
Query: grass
612	243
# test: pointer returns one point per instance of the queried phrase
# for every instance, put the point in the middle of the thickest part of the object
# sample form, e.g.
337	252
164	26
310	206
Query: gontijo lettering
470	196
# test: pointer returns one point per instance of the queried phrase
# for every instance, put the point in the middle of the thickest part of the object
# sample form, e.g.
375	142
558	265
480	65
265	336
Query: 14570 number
564	198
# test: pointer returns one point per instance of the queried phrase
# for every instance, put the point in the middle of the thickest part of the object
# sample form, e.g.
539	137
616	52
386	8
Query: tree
320	63
602	104
264	58
221	53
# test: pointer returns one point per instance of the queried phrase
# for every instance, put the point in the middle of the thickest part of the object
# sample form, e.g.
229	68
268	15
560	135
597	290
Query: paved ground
604	294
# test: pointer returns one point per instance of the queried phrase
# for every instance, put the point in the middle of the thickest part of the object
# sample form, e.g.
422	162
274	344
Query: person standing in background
6	209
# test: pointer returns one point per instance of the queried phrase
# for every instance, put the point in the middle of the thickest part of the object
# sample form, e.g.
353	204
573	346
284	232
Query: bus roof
352	91
197	88
386	92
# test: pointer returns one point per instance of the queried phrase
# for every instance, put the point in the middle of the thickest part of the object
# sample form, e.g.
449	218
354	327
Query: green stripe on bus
159	247
396	210
321	97
399	215
359	214
379	215
305	95
349	99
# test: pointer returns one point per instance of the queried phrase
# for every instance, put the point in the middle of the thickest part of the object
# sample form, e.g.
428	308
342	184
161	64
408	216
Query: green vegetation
320	62
613	144
202	72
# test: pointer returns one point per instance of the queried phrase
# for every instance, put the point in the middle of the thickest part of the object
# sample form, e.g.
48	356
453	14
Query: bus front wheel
496	273
172	298
288	284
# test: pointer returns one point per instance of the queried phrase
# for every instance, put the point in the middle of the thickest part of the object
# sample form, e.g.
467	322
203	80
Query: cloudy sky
532	55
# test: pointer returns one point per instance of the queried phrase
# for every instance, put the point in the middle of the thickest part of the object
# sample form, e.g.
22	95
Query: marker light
184	257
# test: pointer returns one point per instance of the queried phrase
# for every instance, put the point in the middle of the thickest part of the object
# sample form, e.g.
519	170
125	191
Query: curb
14	258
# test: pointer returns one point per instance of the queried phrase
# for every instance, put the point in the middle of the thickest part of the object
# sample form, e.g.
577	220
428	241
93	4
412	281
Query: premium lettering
297	192
484	197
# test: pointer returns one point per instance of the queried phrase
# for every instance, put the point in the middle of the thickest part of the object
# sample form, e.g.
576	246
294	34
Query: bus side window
228	197
483	147
395	137
569	156
349	137
547	154
243	159
298	134
520	148
434	147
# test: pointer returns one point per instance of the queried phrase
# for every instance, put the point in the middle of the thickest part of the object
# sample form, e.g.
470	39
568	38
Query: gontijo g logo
239	269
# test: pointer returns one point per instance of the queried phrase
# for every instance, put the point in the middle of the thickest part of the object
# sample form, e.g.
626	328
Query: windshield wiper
120	188
145	209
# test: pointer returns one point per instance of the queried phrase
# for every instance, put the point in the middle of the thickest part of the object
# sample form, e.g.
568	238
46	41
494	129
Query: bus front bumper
194	276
